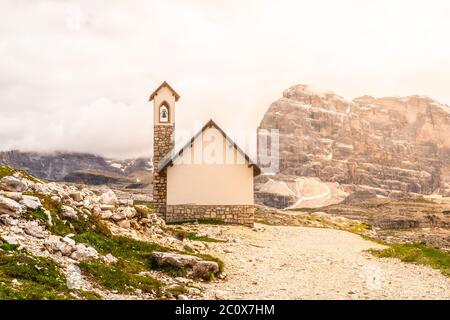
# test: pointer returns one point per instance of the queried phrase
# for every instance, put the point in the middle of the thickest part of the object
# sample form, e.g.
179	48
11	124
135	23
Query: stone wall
238	214
163	142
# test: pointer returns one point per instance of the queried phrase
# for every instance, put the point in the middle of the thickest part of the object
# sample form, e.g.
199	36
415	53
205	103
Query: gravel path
312	263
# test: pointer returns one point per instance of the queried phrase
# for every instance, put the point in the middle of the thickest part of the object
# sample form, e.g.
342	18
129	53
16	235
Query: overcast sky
76	75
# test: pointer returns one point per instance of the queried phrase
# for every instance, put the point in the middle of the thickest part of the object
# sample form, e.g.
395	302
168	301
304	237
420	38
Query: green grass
133	257
133	254
9	171
63	226
418	254
182	234
360	228
177	290
5	246
38	278
115	277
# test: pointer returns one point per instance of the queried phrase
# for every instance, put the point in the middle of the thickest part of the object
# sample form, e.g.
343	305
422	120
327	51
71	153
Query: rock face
392	144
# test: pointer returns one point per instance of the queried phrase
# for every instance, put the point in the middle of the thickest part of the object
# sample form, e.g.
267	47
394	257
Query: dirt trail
312	263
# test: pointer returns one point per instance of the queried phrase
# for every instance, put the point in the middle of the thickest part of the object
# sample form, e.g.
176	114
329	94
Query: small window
163	113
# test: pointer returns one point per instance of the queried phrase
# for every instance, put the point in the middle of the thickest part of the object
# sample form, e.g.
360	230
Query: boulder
68	241
105	215
76	195
10	240
10	207
31	202
135	225
8	221
16	196
155	219
74	278
65	249
42	188
175	259
109	198
56	244
32	228
204	269
119	215
13	184
84	253
106	207
69	212
56	199
109	258
142	211
126	202
124	224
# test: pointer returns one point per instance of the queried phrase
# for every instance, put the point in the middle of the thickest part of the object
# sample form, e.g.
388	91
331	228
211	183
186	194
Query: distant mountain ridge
80	167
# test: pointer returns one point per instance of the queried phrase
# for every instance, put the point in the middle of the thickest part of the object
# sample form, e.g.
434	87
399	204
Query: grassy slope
123	276
23	276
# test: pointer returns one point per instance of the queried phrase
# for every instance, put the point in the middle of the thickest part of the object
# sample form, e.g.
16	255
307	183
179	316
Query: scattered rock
10	183
8	221
120	215
154	219
125	212
76	195
107	207
69	212
10	207
175	259
68	241
105	215
109	198
135	225
33	229
16	196
73	275
109	258
124	224
31	202
84	253
204	269
16	283
11	240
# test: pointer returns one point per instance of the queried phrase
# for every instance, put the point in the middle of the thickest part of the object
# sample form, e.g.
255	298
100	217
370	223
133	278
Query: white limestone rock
31	202
69	212
10	207
109	198
13	184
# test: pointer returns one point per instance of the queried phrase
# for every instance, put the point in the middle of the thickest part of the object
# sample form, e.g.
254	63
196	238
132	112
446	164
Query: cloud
75	75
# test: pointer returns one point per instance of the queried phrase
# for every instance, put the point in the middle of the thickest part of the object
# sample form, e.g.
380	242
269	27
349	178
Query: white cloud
75	75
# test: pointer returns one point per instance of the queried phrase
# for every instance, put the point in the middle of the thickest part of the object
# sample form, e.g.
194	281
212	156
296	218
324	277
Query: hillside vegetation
62	241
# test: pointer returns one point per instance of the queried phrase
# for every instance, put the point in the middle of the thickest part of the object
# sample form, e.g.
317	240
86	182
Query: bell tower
164	98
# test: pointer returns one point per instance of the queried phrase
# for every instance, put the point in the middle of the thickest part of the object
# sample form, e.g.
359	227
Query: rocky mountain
393	146
81	168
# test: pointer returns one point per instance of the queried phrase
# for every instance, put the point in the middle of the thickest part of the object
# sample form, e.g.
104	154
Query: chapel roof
170	157
164	84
